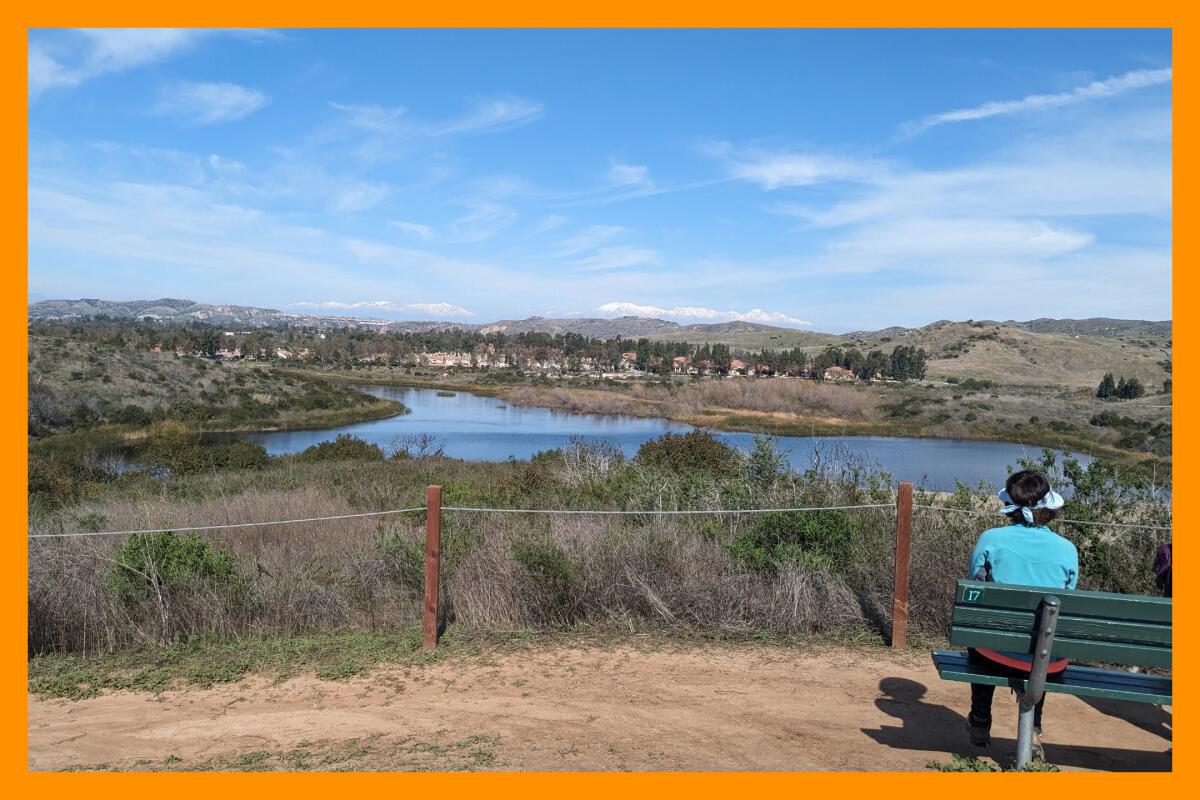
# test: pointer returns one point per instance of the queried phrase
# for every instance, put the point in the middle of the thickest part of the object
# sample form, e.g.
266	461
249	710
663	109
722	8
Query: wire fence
579	512
815	568
976	513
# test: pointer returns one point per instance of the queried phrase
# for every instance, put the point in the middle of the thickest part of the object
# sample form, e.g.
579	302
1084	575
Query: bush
554	579
344	448
815	538
403	561
765	464
242	454
697	451
975	385
148	565
174	446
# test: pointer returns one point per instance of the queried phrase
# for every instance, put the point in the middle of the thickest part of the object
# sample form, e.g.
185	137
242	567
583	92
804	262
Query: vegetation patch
208	662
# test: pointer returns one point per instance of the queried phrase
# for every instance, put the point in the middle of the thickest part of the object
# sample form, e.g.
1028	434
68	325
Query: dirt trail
750	708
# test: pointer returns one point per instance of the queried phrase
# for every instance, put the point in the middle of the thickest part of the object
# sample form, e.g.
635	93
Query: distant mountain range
173	310
1092	326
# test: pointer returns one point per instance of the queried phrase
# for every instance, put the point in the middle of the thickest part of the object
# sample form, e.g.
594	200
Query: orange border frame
538	13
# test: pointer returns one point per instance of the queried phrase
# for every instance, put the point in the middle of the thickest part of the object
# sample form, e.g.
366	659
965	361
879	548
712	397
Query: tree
1131	389
210	342
908	363
1107	387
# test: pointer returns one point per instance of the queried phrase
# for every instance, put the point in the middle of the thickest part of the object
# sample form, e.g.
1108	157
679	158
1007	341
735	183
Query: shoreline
747	421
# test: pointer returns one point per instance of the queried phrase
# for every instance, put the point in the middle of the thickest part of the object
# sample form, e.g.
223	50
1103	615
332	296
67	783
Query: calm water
488	429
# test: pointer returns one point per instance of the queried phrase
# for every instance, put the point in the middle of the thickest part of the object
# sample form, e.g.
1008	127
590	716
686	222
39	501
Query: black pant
982	694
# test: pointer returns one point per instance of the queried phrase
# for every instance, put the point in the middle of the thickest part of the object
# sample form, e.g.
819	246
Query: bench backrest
1092	626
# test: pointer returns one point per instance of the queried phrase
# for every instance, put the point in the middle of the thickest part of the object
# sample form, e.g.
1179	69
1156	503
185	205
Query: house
679	364
840	374
737	367
280	353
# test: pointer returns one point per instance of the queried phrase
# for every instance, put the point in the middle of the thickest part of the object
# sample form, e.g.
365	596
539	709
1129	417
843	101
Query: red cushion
1018	662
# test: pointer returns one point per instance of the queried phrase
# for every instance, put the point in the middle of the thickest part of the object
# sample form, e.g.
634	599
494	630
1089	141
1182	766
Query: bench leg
1024	734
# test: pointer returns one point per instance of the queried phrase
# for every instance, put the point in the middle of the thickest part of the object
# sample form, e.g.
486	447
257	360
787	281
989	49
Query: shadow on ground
937	728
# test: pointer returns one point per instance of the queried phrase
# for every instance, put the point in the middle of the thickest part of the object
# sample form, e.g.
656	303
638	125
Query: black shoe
979	731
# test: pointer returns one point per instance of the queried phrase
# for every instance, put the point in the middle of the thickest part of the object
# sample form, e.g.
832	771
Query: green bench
1120	629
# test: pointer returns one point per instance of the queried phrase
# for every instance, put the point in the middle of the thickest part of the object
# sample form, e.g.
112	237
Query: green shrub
697	451
174	446
554	579
765	463
403	560
149	564
242	454
818	538
344	448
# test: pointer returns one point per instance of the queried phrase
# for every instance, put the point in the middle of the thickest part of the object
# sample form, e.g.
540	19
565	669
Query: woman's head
1027	488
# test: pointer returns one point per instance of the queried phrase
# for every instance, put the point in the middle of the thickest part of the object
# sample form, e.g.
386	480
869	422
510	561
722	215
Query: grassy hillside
76	384
987	351
1015	356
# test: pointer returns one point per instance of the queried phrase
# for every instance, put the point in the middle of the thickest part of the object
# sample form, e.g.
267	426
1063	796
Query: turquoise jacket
1025	555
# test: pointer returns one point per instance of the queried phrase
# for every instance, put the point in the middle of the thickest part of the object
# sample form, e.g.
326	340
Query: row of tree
345	346
1123	389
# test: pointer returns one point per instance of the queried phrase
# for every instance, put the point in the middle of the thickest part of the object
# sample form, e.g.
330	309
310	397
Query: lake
481	428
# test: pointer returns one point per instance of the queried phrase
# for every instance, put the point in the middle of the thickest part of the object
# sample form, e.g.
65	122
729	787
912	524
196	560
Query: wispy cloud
484	115
414	229
427	309
587	239
371	117
953	237
1110	87
617	257
699	312
483	221
70	58
208	103
493	114
630	176
358	196
774	169
547	223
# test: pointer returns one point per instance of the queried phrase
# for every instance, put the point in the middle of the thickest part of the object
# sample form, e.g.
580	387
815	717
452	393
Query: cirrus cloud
209	103
1119	84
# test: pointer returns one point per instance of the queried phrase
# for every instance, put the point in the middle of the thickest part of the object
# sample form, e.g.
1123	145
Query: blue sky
830	180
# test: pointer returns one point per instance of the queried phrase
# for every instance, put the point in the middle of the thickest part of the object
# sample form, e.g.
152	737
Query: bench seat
953	665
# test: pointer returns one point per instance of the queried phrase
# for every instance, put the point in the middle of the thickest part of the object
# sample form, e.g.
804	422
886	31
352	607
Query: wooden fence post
433	562
903	546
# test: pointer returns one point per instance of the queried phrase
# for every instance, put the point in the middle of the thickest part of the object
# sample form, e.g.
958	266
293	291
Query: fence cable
973	513
226	527
578	512
694	512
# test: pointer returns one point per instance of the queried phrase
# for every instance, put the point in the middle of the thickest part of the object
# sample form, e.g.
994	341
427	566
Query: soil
567	708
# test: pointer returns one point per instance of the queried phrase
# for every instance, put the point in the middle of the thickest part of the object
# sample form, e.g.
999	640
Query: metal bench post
1029	698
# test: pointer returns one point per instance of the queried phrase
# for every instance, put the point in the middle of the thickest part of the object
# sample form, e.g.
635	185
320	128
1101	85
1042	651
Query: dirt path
748	708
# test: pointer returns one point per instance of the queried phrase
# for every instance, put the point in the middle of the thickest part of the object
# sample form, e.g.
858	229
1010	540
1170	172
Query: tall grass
705	574
773	396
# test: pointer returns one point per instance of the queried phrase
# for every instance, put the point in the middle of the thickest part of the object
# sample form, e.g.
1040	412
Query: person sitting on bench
1028	553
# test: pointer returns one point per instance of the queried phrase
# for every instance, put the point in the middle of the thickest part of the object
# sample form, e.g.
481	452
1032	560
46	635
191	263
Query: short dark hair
1026	488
